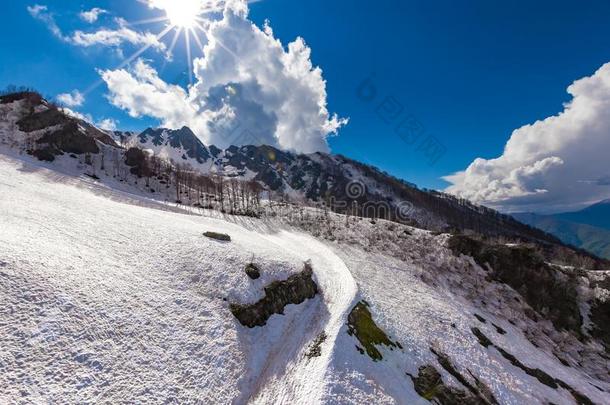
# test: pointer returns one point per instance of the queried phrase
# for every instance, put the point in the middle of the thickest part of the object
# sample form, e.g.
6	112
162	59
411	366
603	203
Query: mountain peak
183	143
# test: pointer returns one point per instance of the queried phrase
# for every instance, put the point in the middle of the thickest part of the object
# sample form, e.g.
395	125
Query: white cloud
116	37
92	15
106	37
107	124
555	164
141	92
42	13
249	89
74	99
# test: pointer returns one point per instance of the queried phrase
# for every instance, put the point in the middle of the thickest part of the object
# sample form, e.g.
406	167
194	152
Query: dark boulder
253	271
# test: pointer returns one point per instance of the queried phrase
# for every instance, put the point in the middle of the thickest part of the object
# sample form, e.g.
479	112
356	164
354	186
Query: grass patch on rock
361	325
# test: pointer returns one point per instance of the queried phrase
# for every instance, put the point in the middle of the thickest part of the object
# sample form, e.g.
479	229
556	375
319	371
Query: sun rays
187	18
184	23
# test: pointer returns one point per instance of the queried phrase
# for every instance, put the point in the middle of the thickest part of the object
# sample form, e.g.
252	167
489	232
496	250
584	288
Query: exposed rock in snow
294	290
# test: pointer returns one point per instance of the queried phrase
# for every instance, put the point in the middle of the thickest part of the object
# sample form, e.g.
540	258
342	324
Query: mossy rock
361	324
218	236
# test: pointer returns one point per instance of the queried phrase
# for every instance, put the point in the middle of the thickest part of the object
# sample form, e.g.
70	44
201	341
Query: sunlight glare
182	13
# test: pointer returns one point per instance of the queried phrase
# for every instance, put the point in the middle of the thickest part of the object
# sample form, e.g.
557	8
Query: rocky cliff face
50	132
553	293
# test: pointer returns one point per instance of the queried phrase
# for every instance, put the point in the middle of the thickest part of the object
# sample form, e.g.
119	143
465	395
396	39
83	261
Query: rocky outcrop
429	385
294	290
600	318
545	289
540	375
42	120
315	350
478	393
32	97
58	132
223	237
70	139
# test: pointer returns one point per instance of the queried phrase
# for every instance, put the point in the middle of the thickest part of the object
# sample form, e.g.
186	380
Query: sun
183	13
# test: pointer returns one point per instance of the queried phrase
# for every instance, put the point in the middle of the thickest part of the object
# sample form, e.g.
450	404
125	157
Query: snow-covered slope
111	297
103	299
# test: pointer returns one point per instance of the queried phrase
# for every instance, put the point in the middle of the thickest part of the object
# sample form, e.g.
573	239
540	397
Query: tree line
213	191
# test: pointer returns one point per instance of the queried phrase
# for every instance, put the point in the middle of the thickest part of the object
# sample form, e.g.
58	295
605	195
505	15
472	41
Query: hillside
336	181
120	296
175	165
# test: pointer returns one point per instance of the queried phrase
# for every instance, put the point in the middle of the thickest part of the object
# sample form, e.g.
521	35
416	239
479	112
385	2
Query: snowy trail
304	380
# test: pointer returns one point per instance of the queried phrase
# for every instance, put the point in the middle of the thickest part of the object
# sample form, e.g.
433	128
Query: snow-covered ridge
342	184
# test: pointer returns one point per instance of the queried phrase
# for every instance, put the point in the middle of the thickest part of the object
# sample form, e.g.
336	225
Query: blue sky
469	72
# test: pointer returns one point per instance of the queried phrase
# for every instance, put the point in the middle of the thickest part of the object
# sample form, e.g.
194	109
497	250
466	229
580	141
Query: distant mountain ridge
182	139
597	215
588	228
333	180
